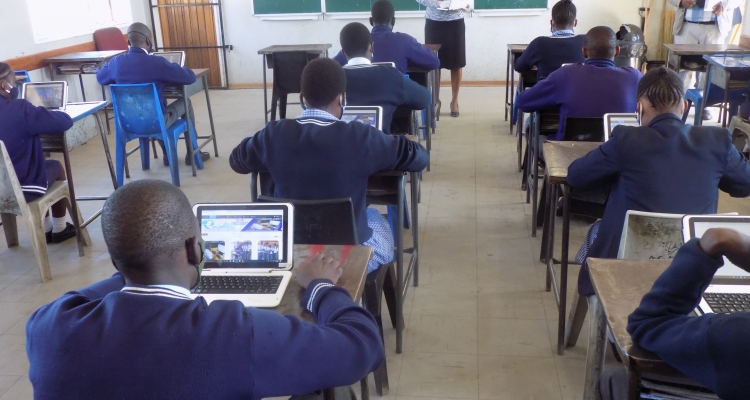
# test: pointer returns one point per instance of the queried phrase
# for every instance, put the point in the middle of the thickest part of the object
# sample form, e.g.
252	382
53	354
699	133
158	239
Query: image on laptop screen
364	117
238	238
613	120
175	57
48	95
742	225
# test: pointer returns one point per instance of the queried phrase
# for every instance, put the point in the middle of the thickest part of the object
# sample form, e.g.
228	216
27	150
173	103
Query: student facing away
548	53
377	85
396	47
591	89
139	335
316	156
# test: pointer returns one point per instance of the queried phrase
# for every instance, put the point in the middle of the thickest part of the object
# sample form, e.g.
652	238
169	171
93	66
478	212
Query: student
570	87
377	85
395	47
712	349
662	166
139	335
548	53
316	156
138	66
21	125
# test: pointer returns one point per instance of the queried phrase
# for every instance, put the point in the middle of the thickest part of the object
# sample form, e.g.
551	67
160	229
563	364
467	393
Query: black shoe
204	156
707	116
165	160
65	234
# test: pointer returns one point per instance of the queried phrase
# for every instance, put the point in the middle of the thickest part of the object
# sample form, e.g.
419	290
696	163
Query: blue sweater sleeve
420	56
41	121
544	94
174	74
735	179
294	358
340	58
104	75
247	157
416	96
527	60
395	153
595	167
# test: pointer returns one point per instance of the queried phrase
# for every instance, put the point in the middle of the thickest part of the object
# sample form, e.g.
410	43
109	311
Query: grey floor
480	324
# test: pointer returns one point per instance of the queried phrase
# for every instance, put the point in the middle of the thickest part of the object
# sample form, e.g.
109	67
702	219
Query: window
61	19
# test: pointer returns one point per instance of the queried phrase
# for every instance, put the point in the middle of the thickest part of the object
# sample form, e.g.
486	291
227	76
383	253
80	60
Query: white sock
47	223
58	224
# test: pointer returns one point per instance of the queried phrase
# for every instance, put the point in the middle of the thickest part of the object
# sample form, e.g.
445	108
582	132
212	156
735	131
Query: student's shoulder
632	71
401	36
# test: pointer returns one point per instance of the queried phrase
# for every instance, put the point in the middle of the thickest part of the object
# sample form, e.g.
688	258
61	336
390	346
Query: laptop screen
699	225
612	120
366	115
175	57
50	95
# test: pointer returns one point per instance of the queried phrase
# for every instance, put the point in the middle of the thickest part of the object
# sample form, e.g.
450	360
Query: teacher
446	27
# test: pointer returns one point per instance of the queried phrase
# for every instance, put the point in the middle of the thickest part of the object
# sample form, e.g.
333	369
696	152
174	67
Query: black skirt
452	36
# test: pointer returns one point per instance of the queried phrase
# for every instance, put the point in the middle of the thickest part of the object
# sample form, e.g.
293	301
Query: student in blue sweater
712	349
20	126
316	156
139	335
571	87
548	53
138	66
396	47
377	85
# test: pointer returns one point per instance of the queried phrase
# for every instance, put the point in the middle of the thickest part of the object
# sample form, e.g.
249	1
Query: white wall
746	14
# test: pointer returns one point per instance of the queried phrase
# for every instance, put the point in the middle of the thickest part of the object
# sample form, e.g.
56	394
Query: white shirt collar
178	289
359	61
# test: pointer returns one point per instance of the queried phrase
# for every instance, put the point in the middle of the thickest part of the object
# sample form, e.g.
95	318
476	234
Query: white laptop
176	57
368	115
612	120
730	282
50	95
249	252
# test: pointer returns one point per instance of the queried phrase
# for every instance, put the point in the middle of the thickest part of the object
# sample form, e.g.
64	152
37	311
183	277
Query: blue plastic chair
138	115
23	73
715	97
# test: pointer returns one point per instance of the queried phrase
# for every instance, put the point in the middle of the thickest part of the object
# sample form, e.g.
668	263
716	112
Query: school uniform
385	86
116	341
317	157
22	123
666	167
399	48
548	53
591	89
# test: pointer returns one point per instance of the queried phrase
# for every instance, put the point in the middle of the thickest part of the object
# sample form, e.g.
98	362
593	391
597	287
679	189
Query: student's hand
688	3
718	9
728	243
322	266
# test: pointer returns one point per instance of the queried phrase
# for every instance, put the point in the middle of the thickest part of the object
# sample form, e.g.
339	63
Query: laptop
176	57
50	95
368	115
248	252
612	120
729	291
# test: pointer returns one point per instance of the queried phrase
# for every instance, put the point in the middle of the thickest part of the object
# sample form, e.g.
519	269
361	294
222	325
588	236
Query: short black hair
4	69
383	12
146	221
662	87
564	13
355	39
323	79
601	42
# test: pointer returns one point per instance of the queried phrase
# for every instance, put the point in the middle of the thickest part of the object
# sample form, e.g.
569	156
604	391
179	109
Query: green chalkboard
333	6
286	6
508	4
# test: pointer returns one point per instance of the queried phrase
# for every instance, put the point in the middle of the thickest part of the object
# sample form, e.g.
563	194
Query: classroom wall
746	26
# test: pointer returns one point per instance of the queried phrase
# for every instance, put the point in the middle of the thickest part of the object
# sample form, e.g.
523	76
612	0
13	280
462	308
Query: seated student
316	156
662	166
712	349
395	47
139	335
548	53
21	125
570	87
377	85
137	66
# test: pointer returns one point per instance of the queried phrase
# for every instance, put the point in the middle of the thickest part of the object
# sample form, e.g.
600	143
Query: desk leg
415	224
210	116
596	348
107	154
83	91
548	193
265	91
106	110
400	266
562	305
550	242
699	113
188	135
73	202
512	93
507	81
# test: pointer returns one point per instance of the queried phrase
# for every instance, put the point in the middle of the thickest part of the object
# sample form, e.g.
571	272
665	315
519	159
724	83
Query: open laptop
729	291
50	95
248	252
612	120
368	115
176	57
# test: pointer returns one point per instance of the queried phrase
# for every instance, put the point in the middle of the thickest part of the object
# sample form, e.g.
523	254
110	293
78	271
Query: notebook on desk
368	115
50	95
176	57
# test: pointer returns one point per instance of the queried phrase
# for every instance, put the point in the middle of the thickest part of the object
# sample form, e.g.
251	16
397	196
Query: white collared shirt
178	289
358	61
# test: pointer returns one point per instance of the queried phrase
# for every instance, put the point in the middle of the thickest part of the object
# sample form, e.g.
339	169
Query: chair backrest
321	221
22	74
137	111
287	71
110	39
11	195
579	129
549	121
650	236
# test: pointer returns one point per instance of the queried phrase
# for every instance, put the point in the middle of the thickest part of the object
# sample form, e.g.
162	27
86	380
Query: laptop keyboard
722	303
238	284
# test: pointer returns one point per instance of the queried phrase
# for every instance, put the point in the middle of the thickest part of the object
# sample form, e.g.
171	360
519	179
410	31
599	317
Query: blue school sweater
317	159
21	123
548	53
385	86
137	66
591	89
711	349
399	48
112	341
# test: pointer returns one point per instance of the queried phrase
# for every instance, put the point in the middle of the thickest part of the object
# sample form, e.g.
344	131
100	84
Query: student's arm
41	121
416	96
104	76
420	56
295	358
544	94
340	58
736	177
395	153
174	74
596	167
247	157
526	61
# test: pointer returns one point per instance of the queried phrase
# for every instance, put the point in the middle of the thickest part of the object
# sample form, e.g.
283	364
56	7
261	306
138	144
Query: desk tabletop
310	48
517	48
84	56
354	261
728	63
78	111
200	72
559	156
702	49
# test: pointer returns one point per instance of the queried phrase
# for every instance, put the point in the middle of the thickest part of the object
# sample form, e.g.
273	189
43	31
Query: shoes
63	235
454	114
707	115
204	156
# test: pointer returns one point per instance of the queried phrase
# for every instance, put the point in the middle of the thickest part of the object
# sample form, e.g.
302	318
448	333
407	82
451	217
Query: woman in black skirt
446	27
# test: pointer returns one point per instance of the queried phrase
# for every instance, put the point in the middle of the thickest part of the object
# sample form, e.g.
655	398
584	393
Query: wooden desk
514	51
267	53
86	62
727	73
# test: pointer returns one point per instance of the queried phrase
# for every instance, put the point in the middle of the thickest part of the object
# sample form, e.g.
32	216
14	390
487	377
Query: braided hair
662	87
564	13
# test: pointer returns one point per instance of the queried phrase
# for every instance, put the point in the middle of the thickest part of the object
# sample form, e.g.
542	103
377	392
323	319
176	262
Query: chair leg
364	388
10	227
145	157
35	226
274	104
389	290
174	161
153	148
575	320
282	106
198	160
82	234
687	110
120	159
